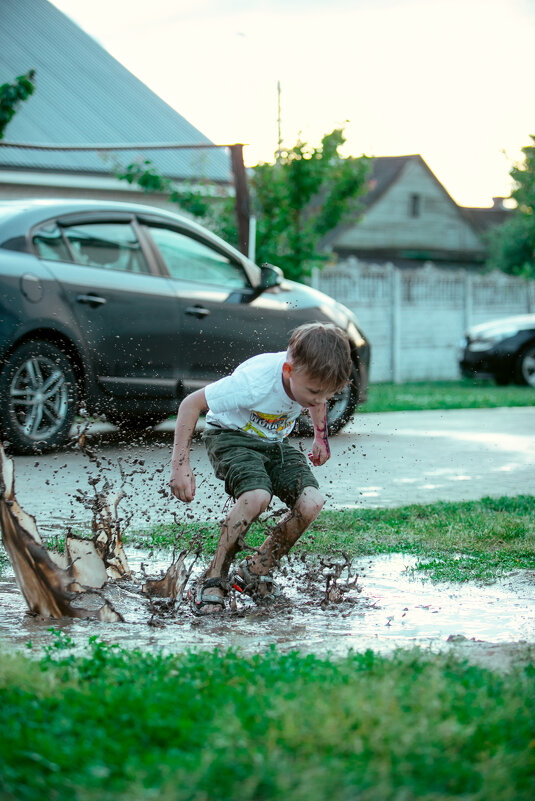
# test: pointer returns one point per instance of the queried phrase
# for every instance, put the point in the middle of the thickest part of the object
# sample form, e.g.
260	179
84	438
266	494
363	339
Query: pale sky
452	80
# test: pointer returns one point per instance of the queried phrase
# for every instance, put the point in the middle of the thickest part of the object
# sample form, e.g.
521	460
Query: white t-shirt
253	399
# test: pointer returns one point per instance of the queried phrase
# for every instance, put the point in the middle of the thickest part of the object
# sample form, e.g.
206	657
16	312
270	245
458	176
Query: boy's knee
309	504
255	502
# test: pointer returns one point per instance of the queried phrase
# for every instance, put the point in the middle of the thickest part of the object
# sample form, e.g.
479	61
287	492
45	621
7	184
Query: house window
415	205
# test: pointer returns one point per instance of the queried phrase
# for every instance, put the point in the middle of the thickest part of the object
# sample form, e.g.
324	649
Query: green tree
297	199
11	94
214	209
512	245
301	197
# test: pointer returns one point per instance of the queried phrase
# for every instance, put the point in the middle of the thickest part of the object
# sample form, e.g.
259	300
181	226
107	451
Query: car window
187	259
113	246
49	244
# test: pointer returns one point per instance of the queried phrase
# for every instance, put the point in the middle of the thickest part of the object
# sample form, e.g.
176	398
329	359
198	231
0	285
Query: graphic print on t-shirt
261	423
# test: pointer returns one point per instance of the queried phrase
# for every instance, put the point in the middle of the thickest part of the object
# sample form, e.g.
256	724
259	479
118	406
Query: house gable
410	215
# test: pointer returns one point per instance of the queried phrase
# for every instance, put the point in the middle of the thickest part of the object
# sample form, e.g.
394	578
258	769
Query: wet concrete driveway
380	460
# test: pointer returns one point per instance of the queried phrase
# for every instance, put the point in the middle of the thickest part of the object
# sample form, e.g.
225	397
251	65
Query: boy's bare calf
245	511
287	532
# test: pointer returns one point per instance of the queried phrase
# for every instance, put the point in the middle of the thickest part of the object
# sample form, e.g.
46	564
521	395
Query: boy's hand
182	483
320	451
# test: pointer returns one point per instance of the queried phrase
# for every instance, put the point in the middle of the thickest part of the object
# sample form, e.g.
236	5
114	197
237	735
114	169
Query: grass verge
464	541
428	395
126	725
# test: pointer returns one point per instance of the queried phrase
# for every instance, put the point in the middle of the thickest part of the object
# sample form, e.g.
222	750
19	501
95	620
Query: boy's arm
182	481
320	449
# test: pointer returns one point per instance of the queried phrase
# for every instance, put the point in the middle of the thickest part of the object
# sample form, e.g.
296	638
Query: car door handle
91	300
197	311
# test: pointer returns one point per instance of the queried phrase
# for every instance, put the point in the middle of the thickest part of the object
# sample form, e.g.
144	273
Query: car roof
17	216
520	321
46	207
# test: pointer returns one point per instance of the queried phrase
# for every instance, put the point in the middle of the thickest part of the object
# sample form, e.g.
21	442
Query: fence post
395	323
530	295
315	278
468	287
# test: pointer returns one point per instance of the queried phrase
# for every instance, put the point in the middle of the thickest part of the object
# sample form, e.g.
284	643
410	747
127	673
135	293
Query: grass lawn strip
127	725
461	541
428	395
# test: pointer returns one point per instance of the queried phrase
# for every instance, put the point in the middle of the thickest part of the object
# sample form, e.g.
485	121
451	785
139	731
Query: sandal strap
200	598
248	581
210	599
215	582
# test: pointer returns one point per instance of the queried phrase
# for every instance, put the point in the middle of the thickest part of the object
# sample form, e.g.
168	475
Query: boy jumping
249	417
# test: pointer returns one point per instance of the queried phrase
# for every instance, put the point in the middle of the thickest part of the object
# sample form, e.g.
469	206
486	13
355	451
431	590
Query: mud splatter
49	589
173	584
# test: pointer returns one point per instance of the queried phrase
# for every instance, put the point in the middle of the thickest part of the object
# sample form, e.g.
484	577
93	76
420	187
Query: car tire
340	410
525	366
40	393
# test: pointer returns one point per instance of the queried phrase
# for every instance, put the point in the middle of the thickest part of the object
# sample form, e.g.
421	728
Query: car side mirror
270	276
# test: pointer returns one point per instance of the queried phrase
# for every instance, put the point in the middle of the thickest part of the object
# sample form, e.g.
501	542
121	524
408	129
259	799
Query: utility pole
279	140
242	196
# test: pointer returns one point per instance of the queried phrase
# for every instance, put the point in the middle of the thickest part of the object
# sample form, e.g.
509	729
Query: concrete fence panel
415	319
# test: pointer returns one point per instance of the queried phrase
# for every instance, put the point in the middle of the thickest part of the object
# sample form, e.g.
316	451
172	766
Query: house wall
21	186
388	223
415	319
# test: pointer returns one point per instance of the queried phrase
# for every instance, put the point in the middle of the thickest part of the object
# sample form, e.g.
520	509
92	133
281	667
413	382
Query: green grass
464	541
445	395
130	726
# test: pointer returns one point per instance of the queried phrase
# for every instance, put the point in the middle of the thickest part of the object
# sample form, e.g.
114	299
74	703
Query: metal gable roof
85	96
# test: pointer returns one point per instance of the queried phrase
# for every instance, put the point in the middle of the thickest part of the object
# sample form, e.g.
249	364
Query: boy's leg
286	533
247	508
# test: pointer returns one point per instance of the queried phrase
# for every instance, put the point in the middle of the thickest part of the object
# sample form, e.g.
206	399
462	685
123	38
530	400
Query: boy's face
304	388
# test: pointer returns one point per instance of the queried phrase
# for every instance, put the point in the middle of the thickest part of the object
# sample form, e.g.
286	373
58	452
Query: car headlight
355	335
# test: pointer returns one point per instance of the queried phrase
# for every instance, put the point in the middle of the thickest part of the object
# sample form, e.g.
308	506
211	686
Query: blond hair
322	350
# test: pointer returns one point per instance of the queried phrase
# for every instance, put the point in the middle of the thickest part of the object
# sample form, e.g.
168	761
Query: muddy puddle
328	605
387	608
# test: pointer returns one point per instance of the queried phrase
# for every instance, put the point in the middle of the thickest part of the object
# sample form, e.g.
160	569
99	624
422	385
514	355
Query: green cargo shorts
246	462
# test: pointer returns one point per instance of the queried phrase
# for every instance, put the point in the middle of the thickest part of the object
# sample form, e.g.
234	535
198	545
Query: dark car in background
124	309
502	349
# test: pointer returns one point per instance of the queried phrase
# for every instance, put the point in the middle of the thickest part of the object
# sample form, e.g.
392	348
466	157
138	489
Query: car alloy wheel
40	387
39	397
527	366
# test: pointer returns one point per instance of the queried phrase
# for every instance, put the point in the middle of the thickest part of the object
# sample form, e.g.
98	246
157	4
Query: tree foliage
11	94
302	196
297	199
211	207
512	245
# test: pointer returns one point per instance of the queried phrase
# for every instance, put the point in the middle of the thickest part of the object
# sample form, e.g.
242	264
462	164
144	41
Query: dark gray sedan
124	309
